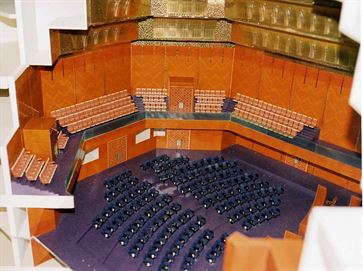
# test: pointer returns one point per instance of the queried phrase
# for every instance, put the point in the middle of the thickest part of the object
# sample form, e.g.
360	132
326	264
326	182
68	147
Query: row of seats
21	164
153	205
62	141
223	185
217	249
156	222
259	217
209	101
120	203
166	232
208	108
88	104
47	174
101	118
209	92
306	120
196	249
271	117
153	99
151	91
33	167
182	239
94	111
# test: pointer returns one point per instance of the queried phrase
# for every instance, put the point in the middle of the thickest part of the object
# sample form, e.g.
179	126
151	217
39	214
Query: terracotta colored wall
29	95
151	66
15	146
340	125
309	90
41	221
85	76
206	140
103	140
246	71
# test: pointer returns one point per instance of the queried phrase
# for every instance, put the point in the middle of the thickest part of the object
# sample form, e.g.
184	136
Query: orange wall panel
341	125
215	68
228	139
117	68
14	147
275	154
181	61
89	76
40	254
205	140
309	91
85	76
246	71
276	80
245	142
58	85
102	142
29	95
147	67
42	220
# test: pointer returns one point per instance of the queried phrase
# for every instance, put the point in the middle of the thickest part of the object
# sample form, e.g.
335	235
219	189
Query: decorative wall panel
29	95
89	76
309	91
341	125
276	80
107	11
148	67
215	68
178	139
117	151
81	77
246	71
181	94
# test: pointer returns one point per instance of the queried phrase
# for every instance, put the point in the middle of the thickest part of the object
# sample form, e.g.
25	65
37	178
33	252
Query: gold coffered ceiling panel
108	11
303	29
94	37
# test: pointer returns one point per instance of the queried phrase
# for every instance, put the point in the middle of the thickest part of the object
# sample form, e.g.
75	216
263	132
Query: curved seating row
209	101
217	249
153	99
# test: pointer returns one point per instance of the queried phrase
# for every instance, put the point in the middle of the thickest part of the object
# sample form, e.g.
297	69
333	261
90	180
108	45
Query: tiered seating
153	99
46	175
62	141
221	184
319	200
34	168
96	111
272	117
210	101
217	249
21	163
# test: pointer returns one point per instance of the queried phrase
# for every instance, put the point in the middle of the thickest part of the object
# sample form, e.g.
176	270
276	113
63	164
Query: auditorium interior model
180	135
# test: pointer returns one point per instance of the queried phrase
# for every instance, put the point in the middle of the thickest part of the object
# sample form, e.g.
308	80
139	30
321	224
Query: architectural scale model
199	135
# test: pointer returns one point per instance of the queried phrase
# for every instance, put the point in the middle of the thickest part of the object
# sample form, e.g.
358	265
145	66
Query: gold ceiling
295	28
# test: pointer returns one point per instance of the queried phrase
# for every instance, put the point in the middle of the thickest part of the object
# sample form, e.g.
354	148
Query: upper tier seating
34	168
272	117
96	111
62	141
21	163
209	101
46	175
153	99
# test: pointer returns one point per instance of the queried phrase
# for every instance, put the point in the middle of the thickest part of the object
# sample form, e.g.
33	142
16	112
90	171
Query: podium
40	137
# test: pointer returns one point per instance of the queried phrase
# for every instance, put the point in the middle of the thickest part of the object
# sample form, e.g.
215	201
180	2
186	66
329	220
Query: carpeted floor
84	248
